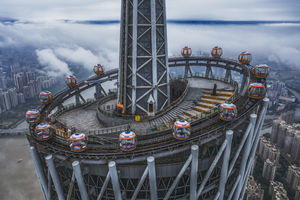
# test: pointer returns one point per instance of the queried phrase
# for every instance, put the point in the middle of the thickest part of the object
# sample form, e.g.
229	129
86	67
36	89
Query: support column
244	83
115	180
49	186
55	178
181	172
208	70
98	92
245	156
80	180
104	186
154	56
140	184
39	170
134	56
152	177
228	75
211	168
194	172
226	157
81	97
166	53
77	100
256	138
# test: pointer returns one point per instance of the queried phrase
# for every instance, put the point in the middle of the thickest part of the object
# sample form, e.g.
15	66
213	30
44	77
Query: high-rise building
268	151
288	117
277	192
293	176
2	102
21	98
7	100
3	82
169	161
30	76
287	137
297	195
269	170
35	87
253	190
19	80
13	97
27	92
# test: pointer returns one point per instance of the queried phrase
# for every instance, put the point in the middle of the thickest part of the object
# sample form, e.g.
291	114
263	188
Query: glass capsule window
33	116
227	111
261	71
181	129
78	142
127	141
43	131
256	90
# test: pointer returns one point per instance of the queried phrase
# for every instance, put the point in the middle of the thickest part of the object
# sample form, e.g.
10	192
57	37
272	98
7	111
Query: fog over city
63	32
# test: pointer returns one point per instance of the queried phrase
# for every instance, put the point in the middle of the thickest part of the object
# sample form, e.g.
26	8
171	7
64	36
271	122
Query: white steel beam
55	178
80	180
39	170
152	177
194	172
115	180
224	170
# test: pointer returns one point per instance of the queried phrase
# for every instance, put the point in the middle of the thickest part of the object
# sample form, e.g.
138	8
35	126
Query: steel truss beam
206	188
239	187
143	57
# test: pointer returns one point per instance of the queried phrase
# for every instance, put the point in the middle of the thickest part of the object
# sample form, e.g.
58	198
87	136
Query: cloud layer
52	66
176	9
59	43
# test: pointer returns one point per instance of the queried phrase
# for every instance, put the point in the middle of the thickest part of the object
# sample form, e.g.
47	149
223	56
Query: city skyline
63	33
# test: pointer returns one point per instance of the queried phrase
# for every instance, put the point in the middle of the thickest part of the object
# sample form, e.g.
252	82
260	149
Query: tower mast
143	85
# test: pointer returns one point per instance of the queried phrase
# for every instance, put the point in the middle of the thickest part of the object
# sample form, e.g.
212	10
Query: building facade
253	190
269	170
277	191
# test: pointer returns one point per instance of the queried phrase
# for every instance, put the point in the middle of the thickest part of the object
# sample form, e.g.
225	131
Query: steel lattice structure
214	163
143	80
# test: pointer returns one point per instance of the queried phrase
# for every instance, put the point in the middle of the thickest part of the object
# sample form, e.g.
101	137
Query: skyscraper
205	154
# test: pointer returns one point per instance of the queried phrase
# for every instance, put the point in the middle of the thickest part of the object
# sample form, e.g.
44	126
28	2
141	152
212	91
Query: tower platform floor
84	119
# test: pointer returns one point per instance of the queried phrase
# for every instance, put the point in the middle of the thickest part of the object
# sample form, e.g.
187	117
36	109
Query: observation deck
192	101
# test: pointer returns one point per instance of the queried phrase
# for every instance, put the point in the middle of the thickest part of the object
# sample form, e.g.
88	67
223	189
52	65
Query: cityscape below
156	119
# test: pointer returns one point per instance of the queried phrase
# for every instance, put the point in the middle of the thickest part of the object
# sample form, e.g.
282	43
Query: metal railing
111	114
114	129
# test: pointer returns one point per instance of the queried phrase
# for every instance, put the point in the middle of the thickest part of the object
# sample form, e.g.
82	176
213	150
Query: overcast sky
59	43
176	9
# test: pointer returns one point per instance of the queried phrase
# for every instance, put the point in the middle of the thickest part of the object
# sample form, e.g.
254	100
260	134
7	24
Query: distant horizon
171	21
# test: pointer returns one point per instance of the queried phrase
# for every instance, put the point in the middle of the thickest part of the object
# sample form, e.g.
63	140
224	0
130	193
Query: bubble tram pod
227	111
46	97
245	57
182	130
43	131
71	80
33	116
186	52
256	90
78	142
261	71
216	52
98	69
127	141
